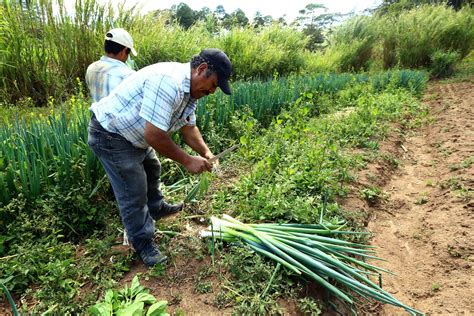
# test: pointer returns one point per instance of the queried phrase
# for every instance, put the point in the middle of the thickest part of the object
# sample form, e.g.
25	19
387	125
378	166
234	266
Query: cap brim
134	52
225	87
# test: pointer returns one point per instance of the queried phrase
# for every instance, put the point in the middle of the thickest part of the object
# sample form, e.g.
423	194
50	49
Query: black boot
168	209
151	255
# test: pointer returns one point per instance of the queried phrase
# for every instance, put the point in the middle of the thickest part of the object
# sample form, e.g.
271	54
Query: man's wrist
208	155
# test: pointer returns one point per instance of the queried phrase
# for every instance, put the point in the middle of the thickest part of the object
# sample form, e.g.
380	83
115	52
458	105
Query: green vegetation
428	36
299	168
51	151
303	127
57	48
129	301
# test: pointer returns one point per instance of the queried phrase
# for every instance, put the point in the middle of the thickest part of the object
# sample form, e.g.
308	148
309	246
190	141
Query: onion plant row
311	250
53	150
266	98
46	151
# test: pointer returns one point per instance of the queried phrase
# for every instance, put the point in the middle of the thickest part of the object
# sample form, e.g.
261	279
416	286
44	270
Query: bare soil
424	226
425	229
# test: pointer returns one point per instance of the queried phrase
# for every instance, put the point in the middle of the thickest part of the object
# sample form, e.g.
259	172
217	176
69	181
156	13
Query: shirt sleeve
160	93
192	119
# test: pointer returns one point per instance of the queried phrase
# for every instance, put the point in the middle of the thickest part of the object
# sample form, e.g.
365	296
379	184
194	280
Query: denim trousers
134	174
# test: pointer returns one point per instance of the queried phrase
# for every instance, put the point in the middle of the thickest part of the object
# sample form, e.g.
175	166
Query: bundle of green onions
306	249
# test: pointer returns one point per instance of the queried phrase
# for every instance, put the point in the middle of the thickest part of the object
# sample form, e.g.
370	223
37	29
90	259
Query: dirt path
425	228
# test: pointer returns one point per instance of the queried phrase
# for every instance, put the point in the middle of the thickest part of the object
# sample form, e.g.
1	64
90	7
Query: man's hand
198	165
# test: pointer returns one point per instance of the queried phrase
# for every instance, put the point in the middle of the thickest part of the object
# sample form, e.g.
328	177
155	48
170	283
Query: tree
398	6
203	14
240	18
281	20
308	14
184	15
236	18
260	21
315	37
219	12
314	25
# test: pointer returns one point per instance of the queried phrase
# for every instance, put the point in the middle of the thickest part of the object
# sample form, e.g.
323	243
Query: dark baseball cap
221	64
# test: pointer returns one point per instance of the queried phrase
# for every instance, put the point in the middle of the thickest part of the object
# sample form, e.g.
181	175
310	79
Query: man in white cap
105	74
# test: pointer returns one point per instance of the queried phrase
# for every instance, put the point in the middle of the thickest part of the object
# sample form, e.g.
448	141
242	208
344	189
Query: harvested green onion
301	249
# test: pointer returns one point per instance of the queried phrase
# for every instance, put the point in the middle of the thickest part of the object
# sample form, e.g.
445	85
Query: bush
417	34
442	63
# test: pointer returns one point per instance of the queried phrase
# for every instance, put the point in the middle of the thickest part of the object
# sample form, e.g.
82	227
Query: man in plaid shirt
136	119
105	74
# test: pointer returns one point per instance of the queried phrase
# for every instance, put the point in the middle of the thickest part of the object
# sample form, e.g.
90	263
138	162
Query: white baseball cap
121	37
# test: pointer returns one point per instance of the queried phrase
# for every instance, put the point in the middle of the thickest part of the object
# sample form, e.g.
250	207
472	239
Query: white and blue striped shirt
104	75
159	94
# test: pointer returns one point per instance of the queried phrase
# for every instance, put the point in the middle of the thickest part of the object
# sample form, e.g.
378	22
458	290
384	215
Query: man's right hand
198	165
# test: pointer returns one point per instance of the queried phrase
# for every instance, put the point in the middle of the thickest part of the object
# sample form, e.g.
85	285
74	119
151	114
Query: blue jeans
134	174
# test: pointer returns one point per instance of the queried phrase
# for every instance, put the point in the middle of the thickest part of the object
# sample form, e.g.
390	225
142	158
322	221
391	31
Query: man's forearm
193	138
164	145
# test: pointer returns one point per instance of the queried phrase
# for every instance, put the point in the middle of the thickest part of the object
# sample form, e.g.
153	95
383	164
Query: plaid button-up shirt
159	94
104	75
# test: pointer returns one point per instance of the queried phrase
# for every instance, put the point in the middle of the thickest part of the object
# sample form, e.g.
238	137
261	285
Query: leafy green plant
309	306
423	199
435	287
371	194
129	301
442	63
203	287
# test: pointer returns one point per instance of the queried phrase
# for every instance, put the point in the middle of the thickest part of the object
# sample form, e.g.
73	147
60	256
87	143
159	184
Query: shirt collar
112	60
187	83
187	79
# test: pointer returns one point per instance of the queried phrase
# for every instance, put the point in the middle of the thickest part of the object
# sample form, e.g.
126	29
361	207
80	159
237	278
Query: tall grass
45	49
407	39
356	53
56	46
421	32
159	40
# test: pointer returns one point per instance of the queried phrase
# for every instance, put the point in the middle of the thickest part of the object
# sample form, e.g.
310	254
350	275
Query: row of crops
55	198
52	150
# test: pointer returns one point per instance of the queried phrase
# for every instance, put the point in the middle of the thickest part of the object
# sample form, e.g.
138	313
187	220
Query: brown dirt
425	226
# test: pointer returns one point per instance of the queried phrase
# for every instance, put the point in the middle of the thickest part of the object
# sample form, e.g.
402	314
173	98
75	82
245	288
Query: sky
276	8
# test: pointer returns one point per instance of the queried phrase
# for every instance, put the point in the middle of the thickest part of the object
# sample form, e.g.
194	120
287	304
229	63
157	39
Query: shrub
442	63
